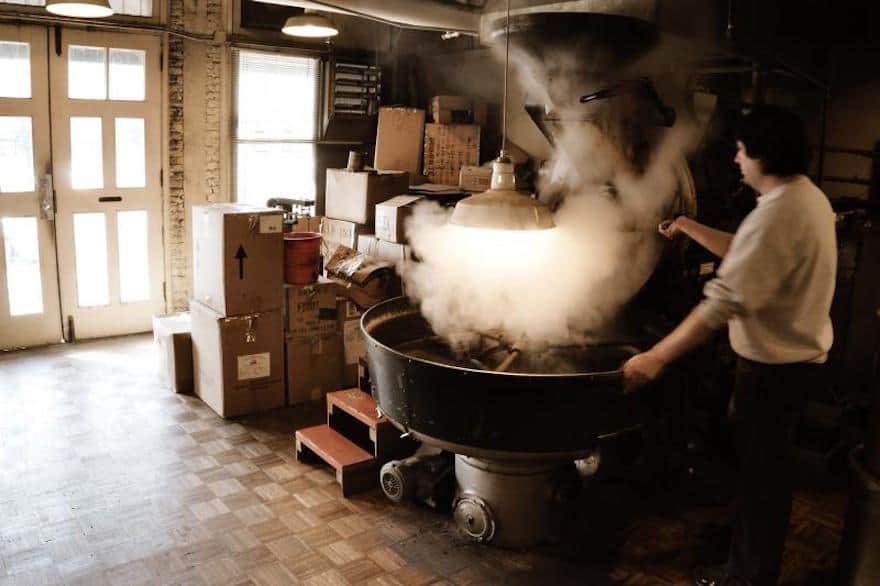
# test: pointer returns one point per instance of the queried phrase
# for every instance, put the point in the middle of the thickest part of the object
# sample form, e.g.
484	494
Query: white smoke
559	286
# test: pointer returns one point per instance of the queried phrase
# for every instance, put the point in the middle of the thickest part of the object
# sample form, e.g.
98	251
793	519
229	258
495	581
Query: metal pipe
28	18
422	15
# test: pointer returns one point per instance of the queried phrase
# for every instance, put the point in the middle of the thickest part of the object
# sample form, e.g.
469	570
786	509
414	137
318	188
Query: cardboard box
452	110
353	195
475	178
238	360
310	310
399	140
362	278
314	366
336	233
173	334
346	310
306	224
354	349
238	258
448	148
353	343
367	244
391	216
393	252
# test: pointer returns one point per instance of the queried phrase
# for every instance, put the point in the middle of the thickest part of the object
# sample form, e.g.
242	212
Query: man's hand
670	228
642	369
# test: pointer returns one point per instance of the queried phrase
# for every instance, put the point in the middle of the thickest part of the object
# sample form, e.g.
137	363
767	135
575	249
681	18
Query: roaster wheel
393	483
475	518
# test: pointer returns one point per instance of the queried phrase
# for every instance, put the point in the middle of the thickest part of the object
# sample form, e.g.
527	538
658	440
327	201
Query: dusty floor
107	477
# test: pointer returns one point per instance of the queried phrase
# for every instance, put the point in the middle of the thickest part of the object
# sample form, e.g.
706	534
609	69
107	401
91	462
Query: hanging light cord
506	68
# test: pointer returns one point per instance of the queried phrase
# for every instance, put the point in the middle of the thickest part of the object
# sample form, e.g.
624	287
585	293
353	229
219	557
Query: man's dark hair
777	137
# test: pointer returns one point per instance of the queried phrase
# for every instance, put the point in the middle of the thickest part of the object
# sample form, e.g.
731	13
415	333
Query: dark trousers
768	400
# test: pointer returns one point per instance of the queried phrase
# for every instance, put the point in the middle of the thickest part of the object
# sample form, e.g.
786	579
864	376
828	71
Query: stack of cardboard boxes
351	200
259	344
238	259
452	142
313	341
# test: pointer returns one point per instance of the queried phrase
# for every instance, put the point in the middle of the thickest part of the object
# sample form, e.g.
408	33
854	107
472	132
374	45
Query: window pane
276	96
86	73
134	256
15	70
86	154
275	170
127	74
22	266
130	154
16	155
90	248
132	7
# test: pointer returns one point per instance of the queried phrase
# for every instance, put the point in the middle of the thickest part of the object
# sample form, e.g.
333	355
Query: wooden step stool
356	442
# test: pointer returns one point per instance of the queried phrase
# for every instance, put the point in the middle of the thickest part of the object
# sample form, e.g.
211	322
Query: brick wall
195	119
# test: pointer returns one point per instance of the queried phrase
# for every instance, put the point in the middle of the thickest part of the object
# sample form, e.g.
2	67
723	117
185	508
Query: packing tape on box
250	333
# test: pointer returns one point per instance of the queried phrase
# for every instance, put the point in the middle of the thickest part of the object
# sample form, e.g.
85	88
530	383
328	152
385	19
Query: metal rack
353	94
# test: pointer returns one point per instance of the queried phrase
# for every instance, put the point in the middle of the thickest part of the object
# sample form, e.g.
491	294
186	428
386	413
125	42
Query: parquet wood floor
106	477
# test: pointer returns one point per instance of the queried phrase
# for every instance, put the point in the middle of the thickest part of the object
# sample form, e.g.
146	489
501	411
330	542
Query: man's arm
647	366
715	241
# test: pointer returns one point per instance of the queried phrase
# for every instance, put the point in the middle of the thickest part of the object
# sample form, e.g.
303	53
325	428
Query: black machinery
516	434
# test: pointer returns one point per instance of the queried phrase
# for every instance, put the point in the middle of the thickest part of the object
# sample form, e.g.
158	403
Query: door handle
47	198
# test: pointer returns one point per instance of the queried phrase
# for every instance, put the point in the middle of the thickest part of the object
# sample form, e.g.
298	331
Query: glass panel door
29	308
106	148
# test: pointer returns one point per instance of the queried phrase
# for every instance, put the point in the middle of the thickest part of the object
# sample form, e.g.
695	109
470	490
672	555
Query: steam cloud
560	286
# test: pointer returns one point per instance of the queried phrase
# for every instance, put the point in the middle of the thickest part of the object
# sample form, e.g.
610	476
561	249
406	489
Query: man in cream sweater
773	290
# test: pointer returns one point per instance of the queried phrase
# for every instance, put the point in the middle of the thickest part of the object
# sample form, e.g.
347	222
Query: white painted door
106	134
29	309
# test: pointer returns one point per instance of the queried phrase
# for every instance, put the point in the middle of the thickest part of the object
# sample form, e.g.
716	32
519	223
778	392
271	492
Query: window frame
234	140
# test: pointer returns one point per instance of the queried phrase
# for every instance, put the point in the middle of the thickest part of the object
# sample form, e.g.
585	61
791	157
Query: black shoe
717	576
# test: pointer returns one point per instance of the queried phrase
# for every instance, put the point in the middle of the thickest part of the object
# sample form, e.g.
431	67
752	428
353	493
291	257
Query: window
88	74
277	111
125	7
15	70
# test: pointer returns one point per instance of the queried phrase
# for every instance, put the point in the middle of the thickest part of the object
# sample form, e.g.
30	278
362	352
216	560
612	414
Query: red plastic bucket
302	257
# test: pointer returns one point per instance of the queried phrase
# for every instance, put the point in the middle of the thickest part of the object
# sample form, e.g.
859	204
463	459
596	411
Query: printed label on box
251	366
270	224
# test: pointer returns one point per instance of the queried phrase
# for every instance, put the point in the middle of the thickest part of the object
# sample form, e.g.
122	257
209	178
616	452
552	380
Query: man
773	290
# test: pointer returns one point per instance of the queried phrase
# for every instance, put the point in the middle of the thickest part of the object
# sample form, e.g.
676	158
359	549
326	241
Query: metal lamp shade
309	25
80	8
502	207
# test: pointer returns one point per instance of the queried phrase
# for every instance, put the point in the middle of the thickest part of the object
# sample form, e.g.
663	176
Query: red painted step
356	470
331	447
356	403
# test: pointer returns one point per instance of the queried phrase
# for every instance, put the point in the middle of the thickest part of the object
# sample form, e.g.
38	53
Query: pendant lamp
502	207
80	8
309	25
